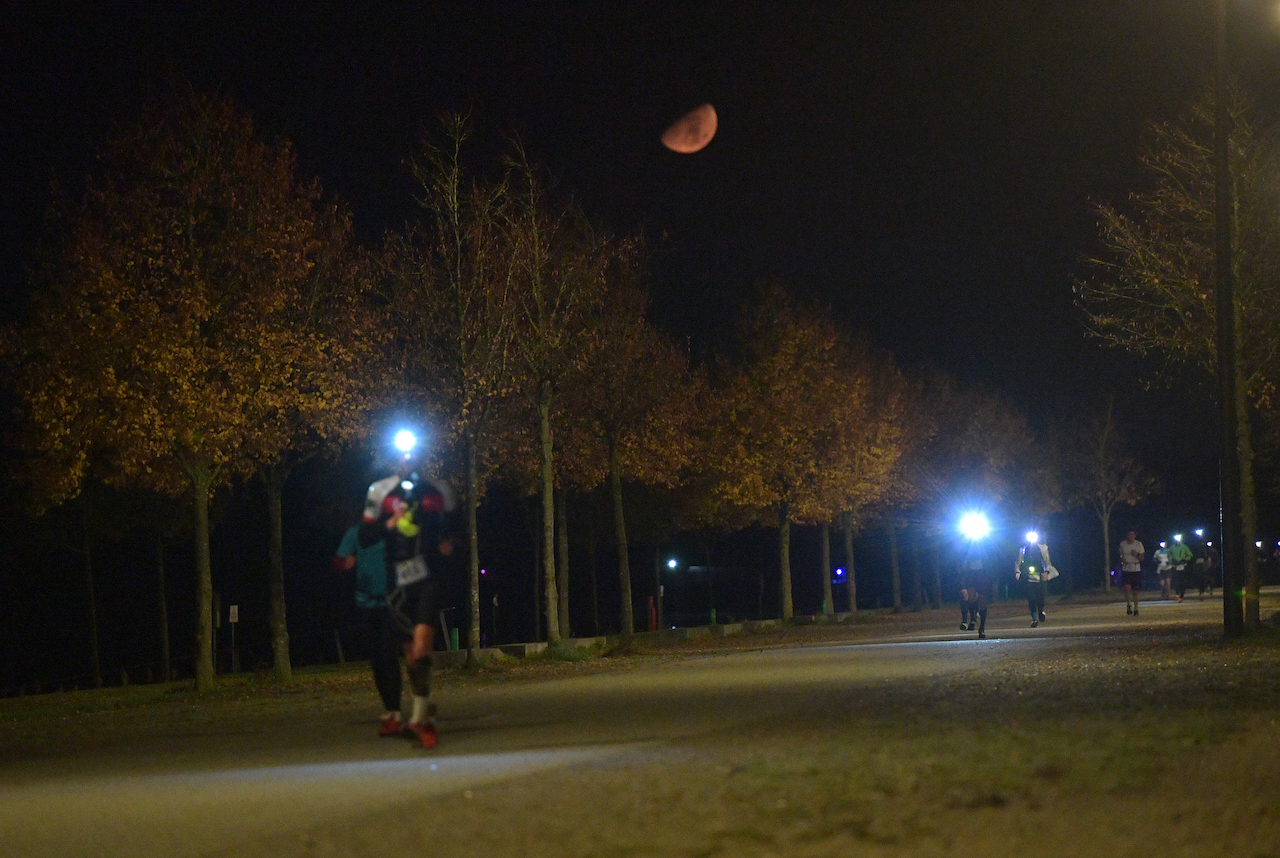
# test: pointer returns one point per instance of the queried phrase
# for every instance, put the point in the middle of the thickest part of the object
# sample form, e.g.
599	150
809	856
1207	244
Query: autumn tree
863	472
319	398
1154	294
560	261
578	467
788	400
154	330
976	445
635	396
452	282
966	446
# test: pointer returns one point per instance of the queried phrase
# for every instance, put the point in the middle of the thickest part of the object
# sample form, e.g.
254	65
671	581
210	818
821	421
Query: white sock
390	714
419	710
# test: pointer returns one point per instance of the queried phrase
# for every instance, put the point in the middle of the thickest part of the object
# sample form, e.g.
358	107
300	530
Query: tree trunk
917	574
94	656
201	483
592	559
894	568
827	606
548	515
851	585
473	557
166	668
936	563
537	590
711	581
784	562
657	585
273	478
620	536
562	562
1104	515
1248	514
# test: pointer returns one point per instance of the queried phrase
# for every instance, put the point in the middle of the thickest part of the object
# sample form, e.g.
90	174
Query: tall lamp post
1233	548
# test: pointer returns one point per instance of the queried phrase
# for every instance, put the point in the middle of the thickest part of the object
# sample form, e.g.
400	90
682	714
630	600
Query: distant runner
1131	554
1033	567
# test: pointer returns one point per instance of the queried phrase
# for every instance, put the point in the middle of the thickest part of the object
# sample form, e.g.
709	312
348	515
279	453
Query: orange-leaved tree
325	374
636	396
150	339
861	463
561	261
791	400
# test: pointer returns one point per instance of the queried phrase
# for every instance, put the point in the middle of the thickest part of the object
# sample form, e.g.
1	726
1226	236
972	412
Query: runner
975	572
371	603
1164	568
1179	556
1034	568
1131	554
407	515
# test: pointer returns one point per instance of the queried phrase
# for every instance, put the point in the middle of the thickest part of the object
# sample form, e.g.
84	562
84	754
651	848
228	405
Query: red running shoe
391	725
426	733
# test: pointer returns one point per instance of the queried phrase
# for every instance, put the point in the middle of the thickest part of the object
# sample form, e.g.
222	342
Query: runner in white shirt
1131	554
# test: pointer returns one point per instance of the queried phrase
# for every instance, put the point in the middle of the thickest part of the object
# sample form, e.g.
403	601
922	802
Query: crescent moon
691	132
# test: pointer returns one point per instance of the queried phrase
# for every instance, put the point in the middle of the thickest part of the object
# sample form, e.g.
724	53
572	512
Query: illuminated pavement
198	789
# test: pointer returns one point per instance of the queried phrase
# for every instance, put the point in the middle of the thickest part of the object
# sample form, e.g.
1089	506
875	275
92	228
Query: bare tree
1100	473
1154	294
453	280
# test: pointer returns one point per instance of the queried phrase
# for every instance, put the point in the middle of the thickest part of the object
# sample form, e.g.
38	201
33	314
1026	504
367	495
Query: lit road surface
195	812
195	789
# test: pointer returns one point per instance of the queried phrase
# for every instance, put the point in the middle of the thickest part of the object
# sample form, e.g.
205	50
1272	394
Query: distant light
1177	537
974	525
1258	544
481	571
1165	545
1200	532
671	564
839	571
1210	544
1032	536
405	441
407	485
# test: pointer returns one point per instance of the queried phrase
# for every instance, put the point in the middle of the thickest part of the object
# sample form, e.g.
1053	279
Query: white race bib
411	571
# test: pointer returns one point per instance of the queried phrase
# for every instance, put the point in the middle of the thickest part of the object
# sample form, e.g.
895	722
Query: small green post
713	616
453	640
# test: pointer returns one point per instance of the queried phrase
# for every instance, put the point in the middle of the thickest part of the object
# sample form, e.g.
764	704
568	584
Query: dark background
925	169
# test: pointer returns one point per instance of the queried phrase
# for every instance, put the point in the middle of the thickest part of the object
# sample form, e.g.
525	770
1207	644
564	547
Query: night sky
926	169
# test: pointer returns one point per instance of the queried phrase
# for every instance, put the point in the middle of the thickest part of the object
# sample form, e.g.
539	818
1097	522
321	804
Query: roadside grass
1081	738
1089	728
